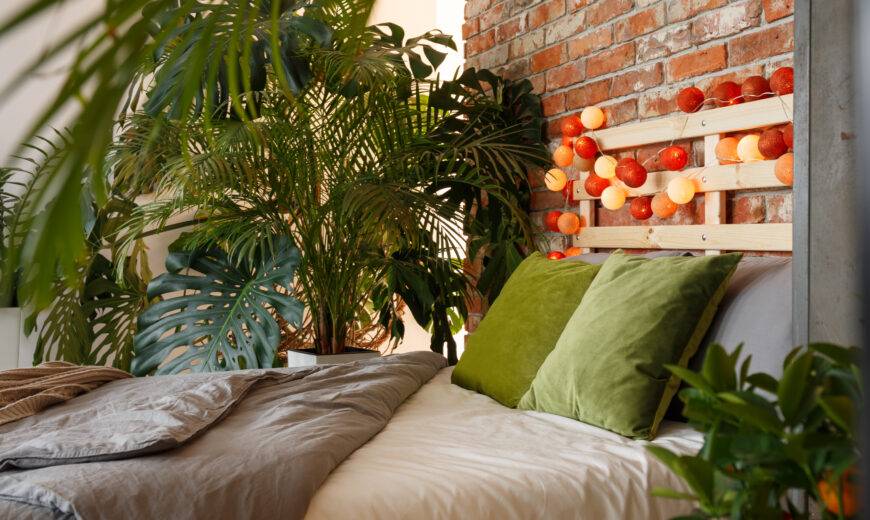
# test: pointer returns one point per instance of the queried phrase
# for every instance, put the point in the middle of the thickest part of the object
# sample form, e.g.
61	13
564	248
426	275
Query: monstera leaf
223	318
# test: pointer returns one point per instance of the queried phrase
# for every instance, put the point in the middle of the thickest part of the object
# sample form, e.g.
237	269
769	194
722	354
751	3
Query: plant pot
308	357
16	349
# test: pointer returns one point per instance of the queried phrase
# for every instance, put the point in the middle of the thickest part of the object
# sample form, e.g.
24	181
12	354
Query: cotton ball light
726	150
755	87
563	156
573	251
782	81
784	169
569	223
586	147
727	93
605	167
555	255
690	99
568	141
551	220
592	118
747	148
662	206
681	190
674	158
771	144
641	208
788	135
571	126
613	198
595	185
555	179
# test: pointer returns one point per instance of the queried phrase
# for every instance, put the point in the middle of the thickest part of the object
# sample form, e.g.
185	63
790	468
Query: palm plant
277	120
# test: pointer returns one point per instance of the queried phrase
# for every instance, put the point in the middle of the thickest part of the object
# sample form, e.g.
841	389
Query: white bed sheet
451	453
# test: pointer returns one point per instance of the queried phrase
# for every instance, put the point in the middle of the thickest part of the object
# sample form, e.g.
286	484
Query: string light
727	93
681	190
595	185
572	126
573	251
551	220
555	179
662	206
784	169
563	156
555	255
592	118
755	88
771	144
726	150
605	167
747	148
586	147
613	198
674	158
569	223
782	81
641	208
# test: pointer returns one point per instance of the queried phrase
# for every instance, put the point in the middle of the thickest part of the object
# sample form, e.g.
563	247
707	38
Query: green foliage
222	320
763	437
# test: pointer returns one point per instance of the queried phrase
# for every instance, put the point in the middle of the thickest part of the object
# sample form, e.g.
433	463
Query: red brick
539	83
654	104
697	62
547	199
726	21
610	60
667	41
553	105
547	58
492	17
637	80
475	7
553	129
509	29
516	69
640	23
762	44
776	9
595	40
603	11
574	5
748	209
526	43
470	28
779	208
565	27
679	10
546	13
588	94
563	76
621	112
480	43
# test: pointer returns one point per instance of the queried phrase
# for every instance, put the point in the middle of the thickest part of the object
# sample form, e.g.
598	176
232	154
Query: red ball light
641	208
755	87
594	185
771	144
635	175
568	192
782	81
571	126
585	147
690	99
727	93
674	158
555	255
551	220
567	141
624	166
788	135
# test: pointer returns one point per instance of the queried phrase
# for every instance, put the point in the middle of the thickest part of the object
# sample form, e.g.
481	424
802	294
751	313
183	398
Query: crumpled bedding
249	444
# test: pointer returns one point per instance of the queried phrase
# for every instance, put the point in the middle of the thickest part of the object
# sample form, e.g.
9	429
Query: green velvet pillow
638	315
502	356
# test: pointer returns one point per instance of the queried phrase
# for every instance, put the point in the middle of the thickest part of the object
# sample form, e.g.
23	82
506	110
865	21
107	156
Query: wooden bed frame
713	180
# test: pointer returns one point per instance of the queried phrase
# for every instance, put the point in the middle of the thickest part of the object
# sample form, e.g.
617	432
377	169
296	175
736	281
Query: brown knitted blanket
26	391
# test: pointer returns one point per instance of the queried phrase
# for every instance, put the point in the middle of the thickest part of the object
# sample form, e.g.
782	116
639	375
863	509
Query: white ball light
747	148
681	190
613	198
605	167
592	118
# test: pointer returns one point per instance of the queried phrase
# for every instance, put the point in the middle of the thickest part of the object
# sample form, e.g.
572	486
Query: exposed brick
588	94
527	43
516	69
602	11
546	13
637	80
640	23
610	60
656	103
563	76
780	208
776	9
480	43
747	209
509	29
592	41
621	112
539	83
492	17
667	41
761	44
565	27
496	57
726	21
679	10
475	7
547	58
547	199
574	5
553	105
470	28
697	62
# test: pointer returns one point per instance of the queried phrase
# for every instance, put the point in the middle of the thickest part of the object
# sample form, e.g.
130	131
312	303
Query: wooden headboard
712	179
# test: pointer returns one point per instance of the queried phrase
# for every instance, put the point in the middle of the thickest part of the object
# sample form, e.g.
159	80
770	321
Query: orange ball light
681	190
569	223
747	148
613	198
663	206
605	167
726	151
573	251
784	169
555	179
563	156
592	118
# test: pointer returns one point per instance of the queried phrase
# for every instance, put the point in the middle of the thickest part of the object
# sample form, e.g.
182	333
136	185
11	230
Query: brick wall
631	57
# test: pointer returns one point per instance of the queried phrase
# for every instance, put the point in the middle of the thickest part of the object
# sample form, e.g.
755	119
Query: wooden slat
745	116
728	177
738	237
714	201
586	209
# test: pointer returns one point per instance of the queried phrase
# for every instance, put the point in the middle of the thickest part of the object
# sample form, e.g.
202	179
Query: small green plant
765	438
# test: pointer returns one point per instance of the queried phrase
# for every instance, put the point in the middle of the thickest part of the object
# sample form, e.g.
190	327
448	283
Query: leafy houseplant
297	135
764	438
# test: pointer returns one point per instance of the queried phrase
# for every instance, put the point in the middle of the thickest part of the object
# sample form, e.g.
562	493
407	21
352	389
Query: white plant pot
307	358
16	349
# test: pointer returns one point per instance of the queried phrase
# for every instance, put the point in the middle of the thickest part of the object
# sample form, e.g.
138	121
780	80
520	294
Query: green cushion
638	315
502	356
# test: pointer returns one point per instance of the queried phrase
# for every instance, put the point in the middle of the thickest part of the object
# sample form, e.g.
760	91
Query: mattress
451	453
